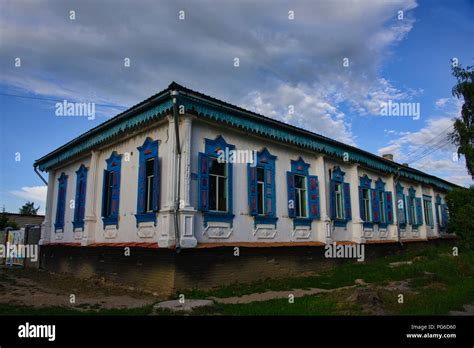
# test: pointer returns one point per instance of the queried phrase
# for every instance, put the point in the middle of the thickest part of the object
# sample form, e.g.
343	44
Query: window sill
146	217
78	224
110	221
302	222
265	220
211	216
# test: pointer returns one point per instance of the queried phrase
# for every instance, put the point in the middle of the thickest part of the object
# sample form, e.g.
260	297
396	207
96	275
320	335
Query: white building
151	176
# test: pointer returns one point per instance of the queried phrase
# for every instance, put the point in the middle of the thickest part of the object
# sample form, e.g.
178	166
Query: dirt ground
37	288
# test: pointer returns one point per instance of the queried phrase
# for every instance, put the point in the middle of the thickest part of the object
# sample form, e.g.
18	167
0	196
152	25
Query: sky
327	66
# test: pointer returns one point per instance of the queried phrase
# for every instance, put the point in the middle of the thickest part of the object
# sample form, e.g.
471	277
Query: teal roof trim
107	134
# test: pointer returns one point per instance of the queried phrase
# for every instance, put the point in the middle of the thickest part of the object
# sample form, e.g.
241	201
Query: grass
439	282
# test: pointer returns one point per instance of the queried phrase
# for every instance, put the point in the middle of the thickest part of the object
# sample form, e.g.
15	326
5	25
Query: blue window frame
111	190
261	188
339	198
415	210
401	206
384	204
215	182
61	203
303	194
367	211
441	213
80	202
428	210
148	182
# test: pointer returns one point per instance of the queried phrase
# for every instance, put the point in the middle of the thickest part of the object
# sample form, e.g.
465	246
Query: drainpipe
397	176
40	176
177	183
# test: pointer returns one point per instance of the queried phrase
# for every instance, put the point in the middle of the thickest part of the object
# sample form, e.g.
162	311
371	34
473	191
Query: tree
461	213
5	222
463	133
29	209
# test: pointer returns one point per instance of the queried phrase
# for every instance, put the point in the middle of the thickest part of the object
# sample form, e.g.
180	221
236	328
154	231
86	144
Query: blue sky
283	62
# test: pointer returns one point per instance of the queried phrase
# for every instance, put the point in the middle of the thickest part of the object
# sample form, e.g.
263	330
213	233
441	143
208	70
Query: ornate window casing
148	195
261	188
428	210
339	198
384	203
303	194
441	213
401	206
80	201
111	190
61	203
415	210
215	182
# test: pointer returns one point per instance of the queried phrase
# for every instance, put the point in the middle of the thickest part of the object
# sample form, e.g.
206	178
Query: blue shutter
389	209
291	194
156	183
419	212
141	199
347	202
80	197
104	190
115	193
410	217
61	203
270	190
431	214
203	182
444	212
374	200
313	197
361	203
401	208
332	199
252	190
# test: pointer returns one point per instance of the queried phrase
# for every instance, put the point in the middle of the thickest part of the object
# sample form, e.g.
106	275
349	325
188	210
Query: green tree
461	213
463	133
29	209
5	222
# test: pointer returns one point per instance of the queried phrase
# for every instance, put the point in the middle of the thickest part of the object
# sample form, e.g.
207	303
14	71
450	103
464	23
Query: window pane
217	168
260	174
260	195
299	181
212	192
222	194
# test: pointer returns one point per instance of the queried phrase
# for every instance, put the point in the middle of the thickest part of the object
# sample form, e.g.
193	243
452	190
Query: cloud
84	59
429	150
36	194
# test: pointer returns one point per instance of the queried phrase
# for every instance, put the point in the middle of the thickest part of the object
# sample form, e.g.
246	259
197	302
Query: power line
440	146
442	133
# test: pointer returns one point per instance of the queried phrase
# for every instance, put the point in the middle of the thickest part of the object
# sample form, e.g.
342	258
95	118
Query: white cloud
36	194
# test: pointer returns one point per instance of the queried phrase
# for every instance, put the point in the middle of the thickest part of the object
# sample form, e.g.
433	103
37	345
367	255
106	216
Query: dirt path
272	295
47	290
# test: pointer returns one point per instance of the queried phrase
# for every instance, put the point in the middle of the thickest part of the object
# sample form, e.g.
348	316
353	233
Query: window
61	203
340	198
260	191
303	194
80	202
300	187
366	205
215	182
413	210
111	190
261	188
401	206
109	185
428	212
339	208
148	176
217	186
382	207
